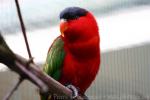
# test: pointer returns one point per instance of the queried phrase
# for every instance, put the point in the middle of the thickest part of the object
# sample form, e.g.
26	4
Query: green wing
55	59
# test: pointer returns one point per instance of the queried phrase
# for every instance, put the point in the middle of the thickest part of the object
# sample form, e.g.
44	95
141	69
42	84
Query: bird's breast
79	72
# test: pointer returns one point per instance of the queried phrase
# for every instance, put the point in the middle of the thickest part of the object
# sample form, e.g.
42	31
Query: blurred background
125	44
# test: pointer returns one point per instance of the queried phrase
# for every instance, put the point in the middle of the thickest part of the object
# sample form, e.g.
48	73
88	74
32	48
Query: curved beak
63	26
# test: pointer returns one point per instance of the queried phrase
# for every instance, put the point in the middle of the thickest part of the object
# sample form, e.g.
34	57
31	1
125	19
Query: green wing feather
55	59
54	62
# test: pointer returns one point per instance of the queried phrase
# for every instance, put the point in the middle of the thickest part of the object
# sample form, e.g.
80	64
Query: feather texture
55	59
54	62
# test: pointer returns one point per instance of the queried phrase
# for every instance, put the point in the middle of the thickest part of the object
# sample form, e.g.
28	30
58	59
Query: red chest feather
81	64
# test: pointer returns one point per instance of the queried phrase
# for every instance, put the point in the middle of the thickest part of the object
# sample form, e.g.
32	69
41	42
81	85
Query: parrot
73	59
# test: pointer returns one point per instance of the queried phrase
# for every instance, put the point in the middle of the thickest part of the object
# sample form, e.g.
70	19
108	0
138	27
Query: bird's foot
74	90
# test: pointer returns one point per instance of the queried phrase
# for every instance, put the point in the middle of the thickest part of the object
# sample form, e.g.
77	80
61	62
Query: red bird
74	57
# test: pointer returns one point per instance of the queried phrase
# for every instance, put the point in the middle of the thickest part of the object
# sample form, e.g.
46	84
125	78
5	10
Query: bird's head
77	24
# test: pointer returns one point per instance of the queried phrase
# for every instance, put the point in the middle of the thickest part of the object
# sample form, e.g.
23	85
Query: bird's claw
74	90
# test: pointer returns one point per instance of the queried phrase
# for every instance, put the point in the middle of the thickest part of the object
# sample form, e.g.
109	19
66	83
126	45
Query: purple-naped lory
74	57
